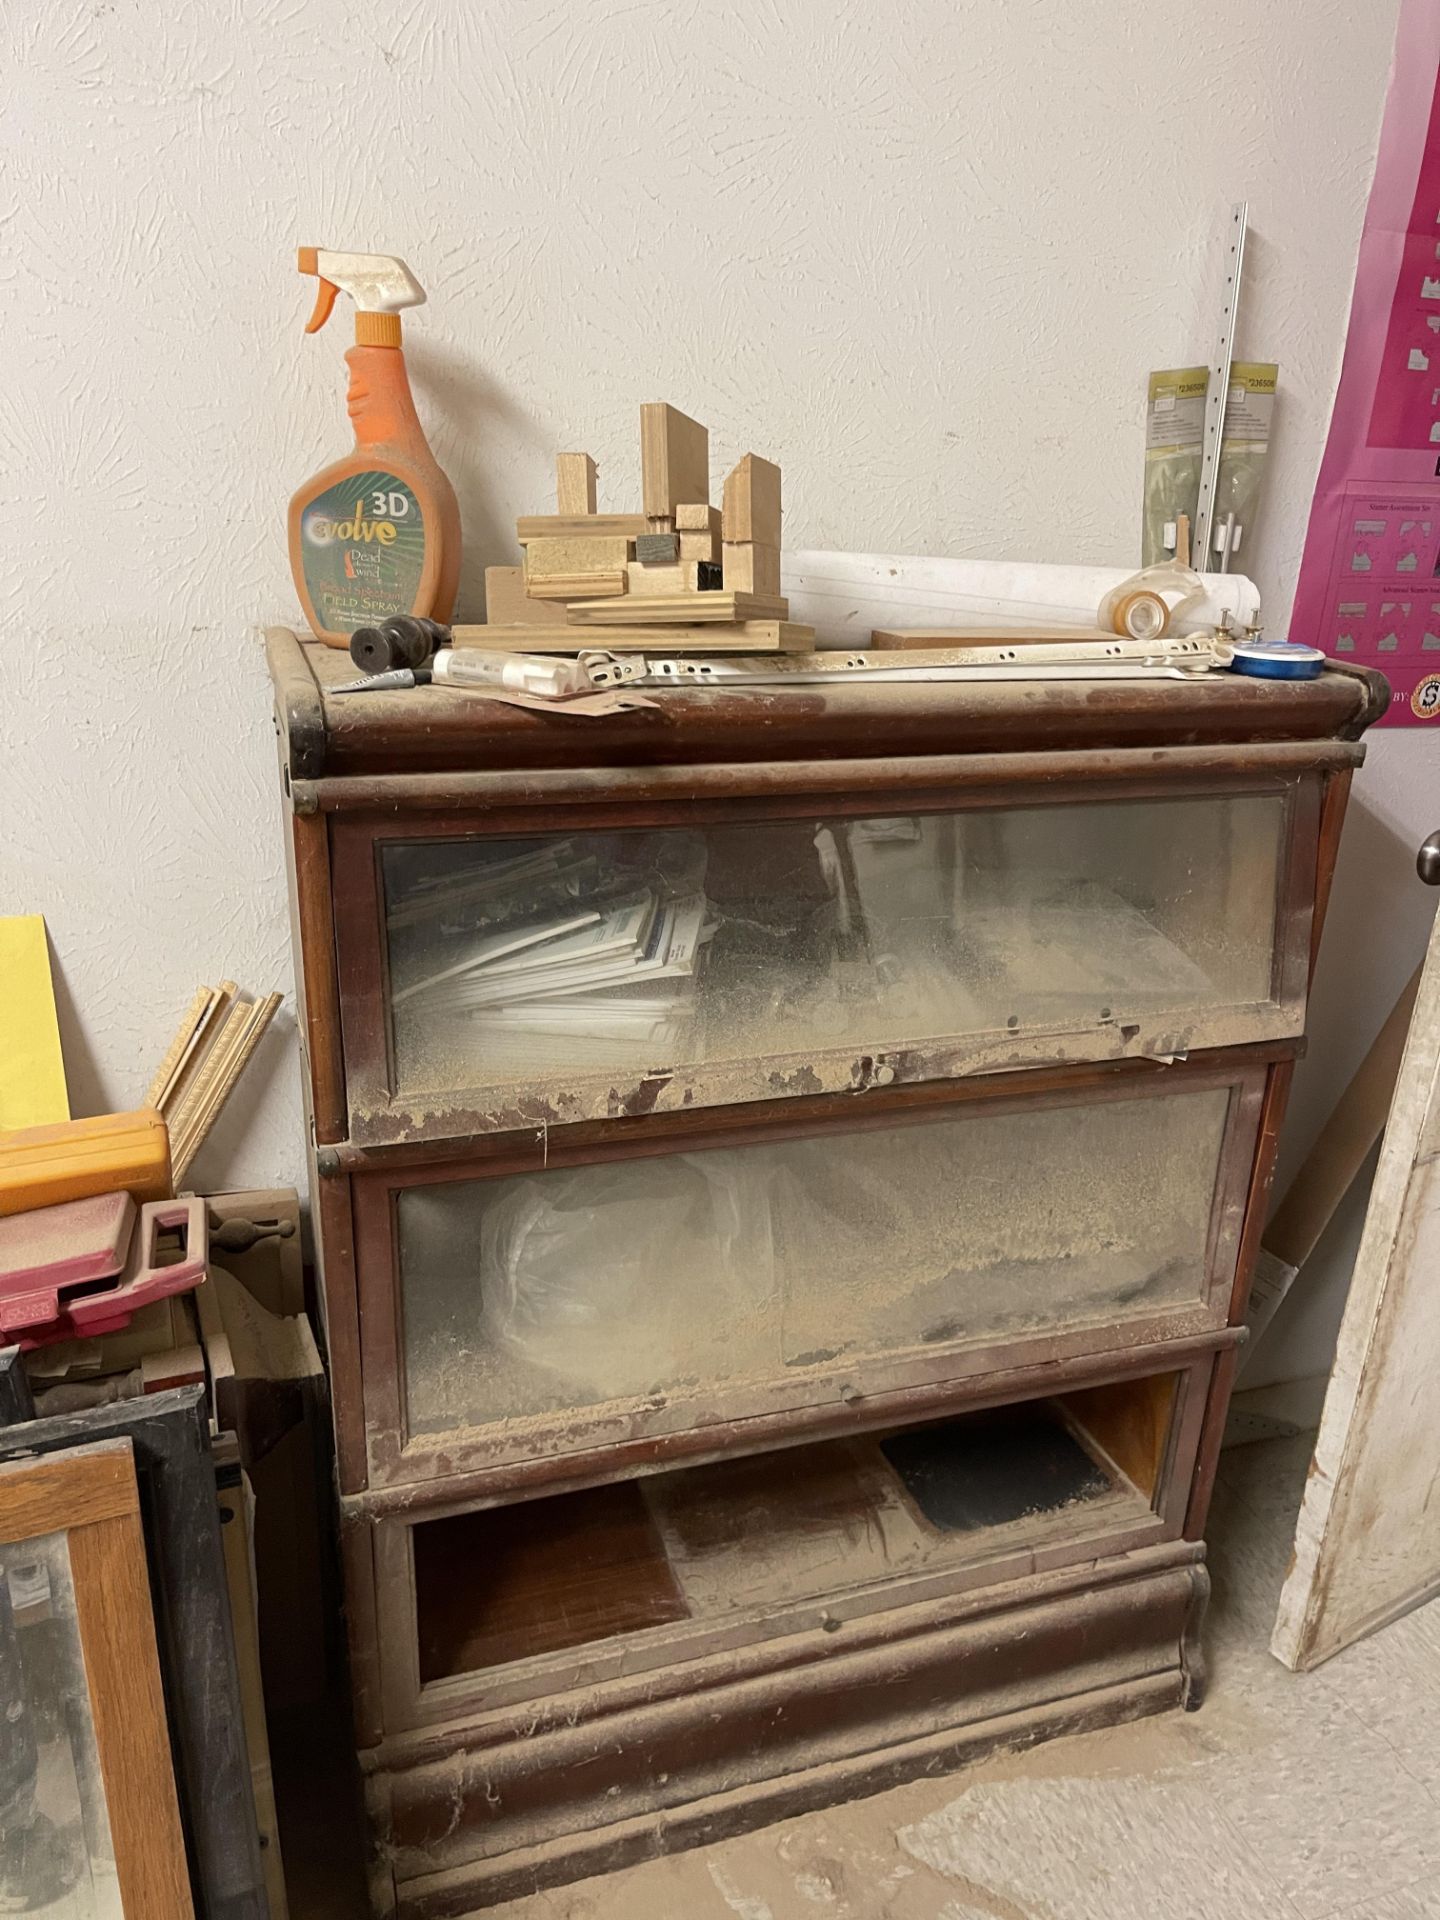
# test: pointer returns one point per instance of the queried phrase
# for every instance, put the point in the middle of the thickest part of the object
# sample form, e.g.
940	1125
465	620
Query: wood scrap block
700	546
578	526
690	576
751	568
506	601
752	502
574	483
674	458
748	636
679	609
698	516
650	581
577	586
657	549
660	523
545	558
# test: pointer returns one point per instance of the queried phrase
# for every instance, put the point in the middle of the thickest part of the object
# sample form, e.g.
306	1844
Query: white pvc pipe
844	596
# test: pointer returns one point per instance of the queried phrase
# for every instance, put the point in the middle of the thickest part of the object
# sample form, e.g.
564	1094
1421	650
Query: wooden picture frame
169	1436
90	1495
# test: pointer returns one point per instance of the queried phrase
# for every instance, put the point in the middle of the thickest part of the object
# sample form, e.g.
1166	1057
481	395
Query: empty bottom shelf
770	1532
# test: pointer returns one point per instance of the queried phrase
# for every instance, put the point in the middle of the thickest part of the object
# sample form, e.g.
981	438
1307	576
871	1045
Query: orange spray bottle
377	533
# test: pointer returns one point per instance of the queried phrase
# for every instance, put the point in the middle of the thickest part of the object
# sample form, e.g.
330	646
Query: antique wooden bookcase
815	1375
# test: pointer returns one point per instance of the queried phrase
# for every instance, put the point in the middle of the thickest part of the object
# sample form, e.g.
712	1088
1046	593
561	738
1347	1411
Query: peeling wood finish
678	1089
400	734
938	779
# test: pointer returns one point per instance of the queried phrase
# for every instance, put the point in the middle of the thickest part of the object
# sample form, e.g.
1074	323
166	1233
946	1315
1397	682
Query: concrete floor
1285	1798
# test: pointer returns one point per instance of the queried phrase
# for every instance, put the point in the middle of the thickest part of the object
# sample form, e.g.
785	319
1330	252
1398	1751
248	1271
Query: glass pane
56	1856
585	1284
523	964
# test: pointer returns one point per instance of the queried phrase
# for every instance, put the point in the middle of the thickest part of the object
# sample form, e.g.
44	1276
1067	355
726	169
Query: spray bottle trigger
324	301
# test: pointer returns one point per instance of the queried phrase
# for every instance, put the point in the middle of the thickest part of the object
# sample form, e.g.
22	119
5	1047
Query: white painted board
1367	1545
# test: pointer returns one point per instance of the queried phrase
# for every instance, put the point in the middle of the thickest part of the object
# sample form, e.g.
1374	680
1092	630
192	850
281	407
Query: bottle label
362	545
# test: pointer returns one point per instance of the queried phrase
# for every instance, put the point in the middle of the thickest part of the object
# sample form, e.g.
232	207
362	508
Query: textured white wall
922	254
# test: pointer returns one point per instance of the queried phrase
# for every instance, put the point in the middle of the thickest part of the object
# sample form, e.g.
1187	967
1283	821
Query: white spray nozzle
376	282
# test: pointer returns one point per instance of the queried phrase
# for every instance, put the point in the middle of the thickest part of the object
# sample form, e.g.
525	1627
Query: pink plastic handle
143	1281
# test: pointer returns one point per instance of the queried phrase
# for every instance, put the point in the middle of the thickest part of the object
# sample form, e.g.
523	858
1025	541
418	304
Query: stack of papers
473	896
594	982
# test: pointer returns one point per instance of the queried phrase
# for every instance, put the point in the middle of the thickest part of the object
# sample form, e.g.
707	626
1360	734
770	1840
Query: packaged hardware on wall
1174	435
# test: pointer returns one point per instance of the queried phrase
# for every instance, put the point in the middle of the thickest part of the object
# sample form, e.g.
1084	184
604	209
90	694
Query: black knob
1427	861
401	641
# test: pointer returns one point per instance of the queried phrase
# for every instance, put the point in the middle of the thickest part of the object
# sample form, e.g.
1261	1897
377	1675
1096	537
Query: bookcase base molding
486	1823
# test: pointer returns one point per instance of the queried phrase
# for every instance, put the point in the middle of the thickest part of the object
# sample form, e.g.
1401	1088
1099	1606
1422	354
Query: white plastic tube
844	596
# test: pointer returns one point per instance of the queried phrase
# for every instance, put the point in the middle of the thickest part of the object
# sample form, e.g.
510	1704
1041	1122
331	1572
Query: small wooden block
180	1367
545	558
750	568
577	586
674	458
574	483
689	576
679	609
659	523
698	516
576	526
752	502
648	582
700	546
657	549
750	636
506	601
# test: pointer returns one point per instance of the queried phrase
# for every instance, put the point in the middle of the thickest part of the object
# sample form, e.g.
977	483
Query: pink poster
1369	585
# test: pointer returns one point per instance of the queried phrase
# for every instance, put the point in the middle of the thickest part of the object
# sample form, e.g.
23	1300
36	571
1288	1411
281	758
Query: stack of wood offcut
680	576
211	1049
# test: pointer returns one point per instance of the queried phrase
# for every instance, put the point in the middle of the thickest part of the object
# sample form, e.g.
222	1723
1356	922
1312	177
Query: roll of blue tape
1278	660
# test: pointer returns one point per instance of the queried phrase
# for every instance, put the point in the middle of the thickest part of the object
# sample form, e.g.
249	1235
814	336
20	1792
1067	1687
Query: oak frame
89	1494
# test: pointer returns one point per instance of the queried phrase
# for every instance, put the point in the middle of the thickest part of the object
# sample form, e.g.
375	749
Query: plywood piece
750	568
674	458
577	526
32	1070
1344	1142
682	609
748	636
546	558
577	586
574	483
698	516
752	501
508	604
1366	1546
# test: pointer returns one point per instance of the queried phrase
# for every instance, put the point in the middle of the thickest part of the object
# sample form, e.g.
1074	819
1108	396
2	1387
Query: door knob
1427	861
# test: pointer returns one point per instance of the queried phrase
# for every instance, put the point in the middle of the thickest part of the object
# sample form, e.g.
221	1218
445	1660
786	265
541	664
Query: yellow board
32	1071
